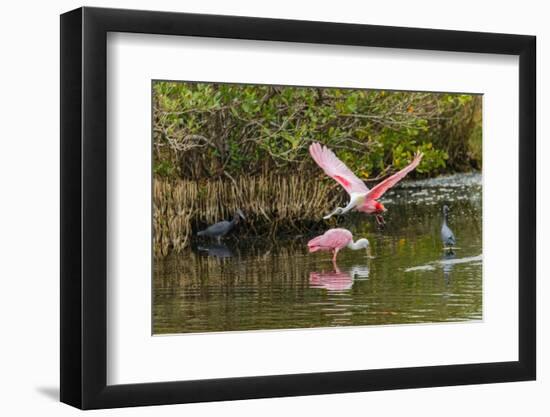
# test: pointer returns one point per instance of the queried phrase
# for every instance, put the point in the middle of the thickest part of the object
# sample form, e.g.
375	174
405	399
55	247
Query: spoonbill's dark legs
449	250
380	221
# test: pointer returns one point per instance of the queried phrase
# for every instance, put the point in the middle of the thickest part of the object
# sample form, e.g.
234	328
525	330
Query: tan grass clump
272	204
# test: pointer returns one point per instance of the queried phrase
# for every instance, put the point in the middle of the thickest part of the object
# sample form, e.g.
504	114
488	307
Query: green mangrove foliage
218	147
224	130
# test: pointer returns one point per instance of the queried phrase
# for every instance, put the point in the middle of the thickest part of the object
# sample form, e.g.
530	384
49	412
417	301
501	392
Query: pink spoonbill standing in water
361	198
335	239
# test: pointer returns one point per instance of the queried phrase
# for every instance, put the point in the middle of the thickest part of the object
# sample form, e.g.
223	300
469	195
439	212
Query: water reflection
217	250
276	284
448	266
331	281
360	272
338	280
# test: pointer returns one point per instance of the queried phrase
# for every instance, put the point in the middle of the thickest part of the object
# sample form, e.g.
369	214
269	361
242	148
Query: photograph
295	207
268	209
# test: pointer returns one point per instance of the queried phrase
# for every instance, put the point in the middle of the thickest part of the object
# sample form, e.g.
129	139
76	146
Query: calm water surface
252	284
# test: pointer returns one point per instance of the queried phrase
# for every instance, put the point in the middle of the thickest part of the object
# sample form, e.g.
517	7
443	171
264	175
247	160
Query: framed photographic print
257	208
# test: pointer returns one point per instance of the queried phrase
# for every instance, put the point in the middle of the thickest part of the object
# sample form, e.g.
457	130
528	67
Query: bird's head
445	209
362	243
379	207
239	215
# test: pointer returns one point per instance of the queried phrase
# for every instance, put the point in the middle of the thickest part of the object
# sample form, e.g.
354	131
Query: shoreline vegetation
219	147
273	204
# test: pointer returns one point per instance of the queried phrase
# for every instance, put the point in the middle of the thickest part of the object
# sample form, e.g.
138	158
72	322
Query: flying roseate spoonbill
361	198
220	229
335	239
447	235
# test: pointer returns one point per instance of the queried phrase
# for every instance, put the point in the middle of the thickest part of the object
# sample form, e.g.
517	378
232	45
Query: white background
29	225
133	60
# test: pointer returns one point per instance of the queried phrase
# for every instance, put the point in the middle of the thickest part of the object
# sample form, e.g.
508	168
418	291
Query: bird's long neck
354	245
444	218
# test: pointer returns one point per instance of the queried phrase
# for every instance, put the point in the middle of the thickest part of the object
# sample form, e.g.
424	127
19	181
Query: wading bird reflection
361	198
337	280
448	266
217	250
332	280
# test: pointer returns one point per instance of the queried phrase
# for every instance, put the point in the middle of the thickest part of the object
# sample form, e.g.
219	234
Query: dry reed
272	204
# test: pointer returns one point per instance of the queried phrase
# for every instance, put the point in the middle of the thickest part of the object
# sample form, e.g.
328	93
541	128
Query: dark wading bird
361	198
220	229
447	235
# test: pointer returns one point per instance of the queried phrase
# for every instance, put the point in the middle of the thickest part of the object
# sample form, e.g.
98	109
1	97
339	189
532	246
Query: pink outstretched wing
331	239
385	185
336	169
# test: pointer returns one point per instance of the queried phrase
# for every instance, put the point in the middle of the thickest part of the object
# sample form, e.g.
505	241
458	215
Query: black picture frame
84	207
